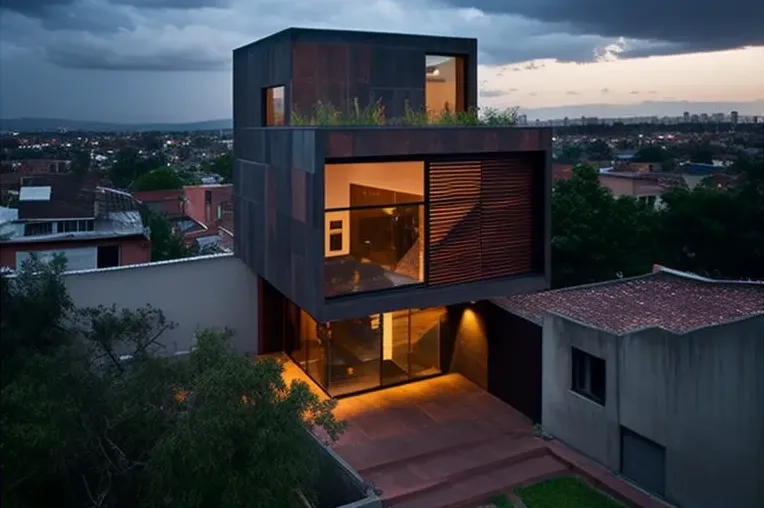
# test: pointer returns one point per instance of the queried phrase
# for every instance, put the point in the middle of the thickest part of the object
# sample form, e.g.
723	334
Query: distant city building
686	117
734	117
94	227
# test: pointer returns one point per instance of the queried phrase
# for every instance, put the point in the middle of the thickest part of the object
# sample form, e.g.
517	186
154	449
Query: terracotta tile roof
666	299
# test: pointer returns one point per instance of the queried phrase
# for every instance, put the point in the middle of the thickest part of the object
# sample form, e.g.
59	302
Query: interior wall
441	89
407	176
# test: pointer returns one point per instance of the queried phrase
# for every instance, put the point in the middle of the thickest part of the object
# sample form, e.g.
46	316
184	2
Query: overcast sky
169	60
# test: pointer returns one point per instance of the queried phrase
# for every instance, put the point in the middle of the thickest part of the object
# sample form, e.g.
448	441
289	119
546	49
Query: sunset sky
169	60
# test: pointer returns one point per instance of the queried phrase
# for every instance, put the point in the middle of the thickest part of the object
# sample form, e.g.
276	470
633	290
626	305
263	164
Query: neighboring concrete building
644	187
196	211
658	377
368	240
95	227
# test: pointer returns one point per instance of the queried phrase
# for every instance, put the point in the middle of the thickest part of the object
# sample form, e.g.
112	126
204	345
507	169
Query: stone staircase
456	470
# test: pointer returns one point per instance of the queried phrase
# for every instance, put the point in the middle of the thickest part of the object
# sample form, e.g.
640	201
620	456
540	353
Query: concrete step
430	472
473	490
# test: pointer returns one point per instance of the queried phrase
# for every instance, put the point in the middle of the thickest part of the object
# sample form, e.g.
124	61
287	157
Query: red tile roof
666	299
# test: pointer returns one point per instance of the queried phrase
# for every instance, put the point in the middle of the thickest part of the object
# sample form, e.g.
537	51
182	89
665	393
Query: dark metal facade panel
401	141
340	67
266	63
275	202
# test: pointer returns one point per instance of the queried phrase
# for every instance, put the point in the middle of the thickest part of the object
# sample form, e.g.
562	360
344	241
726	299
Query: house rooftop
668	299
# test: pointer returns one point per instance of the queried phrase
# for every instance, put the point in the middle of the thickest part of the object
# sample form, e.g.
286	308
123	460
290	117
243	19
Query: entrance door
643	461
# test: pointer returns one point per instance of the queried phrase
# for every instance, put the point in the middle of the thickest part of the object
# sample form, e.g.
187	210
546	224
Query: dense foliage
158	179
718	232
93	417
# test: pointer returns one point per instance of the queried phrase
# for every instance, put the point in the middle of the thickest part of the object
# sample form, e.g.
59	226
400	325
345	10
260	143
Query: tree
129	164
159	179
93	416
596	237
223	166
598	150
570	154
166	241
653	153
717	232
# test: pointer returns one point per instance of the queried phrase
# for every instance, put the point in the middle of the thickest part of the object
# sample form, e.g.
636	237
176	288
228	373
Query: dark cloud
175	4
682	25
605	91
33	8
90	58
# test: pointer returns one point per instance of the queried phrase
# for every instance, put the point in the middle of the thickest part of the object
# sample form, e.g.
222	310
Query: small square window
274	106
588	375
335	242
335	224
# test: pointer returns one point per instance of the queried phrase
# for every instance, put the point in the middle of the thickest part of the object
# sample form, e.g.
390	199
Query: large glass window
355	354
444	85
374	220
274	106
383	349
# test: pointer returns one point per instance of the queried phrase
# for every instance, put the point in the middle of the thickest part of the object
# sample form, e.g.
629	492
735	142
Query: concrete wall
206	292
699	395
132	249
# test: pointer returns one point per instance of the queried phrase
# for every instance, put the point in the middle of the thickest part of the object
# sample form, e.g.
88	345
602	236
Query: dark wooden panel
450	181
507	216
454	243
481	219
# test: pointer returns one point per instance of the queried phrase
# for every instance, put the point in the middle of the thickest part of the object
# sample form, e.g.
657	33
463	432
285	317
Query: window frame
460	79
582	372
268	111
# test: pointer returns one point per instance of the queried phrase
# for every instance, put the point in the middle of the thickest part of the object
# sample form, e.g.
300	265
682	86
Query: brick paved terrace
444	442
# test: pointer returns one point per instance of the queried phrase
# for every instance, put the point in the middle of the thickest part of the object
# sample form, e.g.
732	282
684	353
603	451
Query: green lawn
564	492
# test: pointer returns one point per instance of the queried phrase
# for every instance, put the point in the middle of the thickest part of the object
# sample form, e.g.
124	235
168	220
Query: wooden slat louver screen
454	234
507	217
481	219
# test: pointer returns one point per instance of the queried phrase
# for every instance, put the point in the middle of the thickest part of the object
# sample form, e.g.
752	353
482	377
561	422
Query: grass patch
374	114
564	492
502	501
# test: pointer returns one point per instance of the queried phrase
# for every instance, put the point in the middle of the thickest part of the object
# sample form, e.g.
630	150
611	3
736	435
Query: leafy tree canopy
712	231
596	236
223	166
129	164
166	241
92	416
163	178
653	153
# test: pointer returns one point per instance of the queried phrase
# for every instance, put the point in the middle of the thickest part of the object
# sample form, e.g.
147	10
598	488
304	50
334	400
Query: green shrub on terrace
325	114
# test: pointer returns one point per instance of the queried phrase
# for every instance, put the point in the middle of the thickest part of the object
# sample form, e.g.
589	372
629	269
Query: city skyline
155	60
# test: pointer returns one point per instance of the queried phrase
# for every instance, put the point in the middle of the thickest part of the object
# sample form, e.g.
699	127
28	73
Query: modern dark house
375	208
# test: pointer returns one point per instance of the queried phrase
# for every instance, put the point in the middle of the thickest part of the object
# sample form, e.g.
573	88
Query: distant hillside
56	124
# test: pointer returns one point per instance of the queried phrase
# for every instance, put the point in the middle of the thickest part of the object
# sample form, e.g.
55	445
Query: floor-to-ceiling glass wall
383	349
356	355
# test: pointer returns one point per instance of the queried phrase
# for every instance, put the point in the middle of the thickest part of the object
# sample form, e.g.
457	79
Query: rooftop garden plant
326	114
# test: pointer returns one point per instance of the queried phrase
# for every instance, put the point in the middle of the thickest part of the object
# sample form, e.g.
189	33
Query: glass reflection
355	354
383	249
